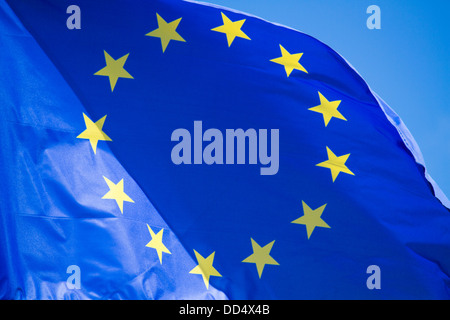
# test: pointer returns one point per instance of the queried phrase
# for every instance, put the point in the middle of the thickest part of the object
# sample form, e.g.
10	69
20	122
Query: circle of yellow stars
311	218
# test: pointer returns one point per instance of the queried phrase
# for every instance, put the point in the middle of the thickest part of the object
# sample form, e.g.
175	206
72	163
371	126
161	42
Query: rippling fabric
116	181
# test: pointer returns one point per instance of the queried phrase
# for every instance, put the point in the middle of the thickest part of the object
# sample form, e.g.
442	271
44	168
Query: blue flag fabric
178	150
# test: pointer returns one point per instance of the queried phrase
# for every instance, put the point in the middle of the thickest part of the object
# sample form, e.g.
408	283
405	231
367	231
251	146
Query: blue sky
406	62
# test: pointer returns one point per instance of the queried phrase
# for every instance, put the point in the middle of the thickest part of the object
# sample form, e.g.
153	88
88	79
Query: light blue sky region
406	62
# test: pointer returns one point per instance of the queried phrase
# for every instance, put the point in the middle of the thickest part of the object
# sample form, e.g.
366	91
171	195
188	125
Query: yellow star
114	69
205	268
156	243
94	132
261	256
231	29
335	164
166	32
289	61
116	193
328	109
311	218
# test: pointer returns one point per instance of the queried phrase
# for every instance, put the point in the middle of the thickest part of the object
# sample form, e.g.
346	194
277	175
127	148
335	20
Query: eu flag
177	150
